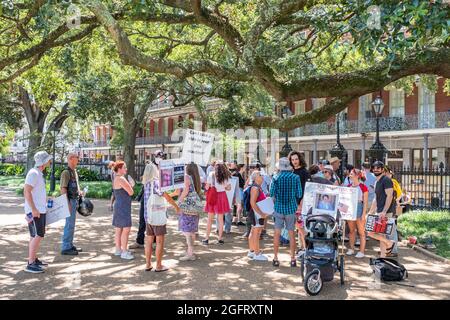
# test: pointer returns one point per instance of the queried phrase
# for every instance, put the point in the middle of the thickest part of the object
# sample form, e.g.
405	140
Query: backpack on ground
387	269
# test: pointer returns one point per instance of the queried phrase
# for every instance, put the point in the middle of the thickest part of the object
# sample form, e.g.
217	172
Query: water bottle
85	190
50	203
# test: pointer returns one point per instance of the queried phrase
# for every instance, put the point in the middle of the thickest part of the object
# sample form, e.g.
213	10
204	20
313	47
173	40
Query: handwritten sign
197	147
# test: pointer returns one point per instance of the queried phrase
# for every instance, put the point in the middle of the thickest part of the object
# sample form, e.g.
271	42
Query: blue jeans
228	219
69	228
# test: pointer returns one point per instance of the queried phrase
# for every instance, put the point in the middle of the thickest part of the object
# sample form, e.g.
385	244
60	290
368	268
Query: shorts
285	221
153	231
257	224
37	226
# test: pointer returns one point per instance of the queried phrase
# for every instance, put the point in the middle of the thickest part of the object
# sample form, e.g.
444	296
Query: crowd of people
378	193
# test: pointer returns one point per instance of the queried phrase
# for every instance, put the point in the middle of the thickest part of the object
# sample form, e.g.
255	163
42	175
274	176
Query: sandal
388	251
162	270
293	263
149	269
275	263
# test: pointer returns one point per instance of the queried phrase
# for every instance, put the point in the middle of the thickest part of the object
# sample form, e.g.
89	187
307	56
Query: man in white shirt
36	208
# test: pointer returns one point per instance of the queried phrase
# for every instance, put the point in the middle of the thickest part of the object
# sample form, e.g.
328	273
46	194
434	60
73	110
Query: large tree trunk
34	143
130	129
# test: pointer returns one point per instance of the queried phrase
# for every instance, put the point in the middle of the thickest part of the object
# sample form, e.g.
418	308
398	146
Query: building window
300	107
397	103
166	127
426	108
156	128
322	155
318	103
365	110
418	158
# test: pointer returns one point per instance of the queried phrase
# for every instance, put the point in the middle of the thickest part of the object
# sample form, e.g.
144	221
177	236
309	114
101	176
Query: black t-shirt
304	176
380	187
236	173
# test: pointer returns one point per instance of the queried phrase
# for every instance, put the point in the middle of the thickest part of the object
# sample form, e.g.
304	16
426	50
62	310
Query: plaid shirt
287	190
147	194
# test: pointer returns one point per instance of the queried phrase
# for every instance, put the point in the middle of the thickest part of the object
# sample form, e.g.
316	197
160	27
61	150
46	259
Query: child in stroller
321	259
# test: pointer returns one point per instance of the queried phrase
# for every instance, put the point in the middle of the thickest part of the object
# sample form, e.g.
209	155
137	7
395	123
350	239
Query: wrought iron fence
429	187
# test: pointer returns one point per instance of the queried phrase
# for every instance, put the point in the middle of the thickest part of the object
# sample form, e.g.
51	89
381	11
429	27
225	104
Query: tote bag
156	209
192	204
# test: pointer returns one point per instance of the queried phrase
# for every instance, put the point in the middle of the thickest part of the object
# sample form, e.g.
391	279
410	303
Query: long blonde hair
150	173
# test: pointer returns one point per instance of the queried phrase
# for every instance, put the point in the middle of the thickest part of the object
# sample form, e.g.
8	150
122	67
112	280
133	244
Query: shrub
9	169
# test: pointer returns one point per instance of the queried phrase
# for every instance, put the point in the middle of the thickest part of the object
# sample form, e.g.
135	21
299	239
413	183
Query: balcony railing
407	122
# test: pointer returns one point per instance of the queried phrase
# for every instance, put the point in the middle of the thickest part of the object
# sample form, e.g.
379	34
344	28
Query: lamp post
338	149
286	113
52	175
258	114
377	151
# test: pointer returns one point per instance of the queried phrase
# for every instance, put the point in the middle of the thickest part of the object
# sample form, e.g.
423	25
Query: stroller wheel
342	270
313	283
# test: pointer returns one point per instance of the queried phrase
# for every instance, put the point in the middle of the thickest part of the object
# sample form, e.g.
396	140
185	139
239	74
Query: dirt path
222	272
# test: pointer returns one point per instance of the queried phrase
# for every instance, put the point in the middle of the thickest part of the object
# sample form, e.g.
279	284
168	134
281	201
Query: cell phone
261	221
29	217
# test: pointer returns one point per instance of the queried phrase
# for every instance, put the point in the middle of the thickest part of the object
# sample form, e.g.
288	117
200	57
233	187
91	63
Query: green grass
423	224
97	189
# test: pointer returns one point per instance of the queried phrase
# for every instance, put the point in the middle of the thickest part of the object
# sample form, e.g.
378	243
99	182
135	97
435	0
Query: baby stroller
321	258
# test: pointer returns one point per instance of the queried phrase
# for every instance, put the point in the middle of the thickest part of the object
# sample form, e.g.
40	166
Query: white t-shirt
220	187
35	178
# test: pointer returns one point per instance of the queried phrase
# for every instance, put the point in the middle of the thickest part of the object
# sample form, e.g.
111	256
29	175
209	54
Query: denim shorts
285	221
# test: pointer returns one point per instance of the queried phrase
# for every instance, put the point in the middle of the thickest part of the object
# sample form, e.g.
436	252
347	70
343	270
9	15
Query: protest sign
329	199
377	225
230	194
59	211
172	174
197	147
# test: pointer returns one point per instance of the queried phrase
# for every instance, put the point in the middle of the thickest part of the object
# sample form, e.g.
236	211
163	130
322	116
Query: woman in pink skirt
220	179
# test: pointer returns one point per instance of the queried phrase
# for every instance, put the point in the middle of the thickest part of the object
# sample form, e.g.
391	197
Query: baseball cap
329	168
378	164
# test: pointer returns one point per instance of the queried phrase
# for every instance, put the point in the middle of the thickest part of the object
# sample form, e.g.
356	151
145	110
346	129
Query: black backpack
388	269
246	200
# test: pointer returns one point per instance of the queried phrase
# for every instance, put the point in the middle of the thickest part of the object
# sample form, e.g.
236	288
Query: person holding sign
357	178
256	195
35	209
219	179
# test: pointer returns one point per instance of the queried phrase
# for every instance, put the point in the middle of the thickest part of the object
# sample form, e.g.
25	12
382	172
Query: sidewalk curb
429	254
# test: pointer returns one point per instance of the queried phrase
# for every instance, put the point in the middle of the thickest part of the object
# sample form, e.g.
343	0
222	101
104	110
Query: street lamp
258	115
286	113
338	149
377	151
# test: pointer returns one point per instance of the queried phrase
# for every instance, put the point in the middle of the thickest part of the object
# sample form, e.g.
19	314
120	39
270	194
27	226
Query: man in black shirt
383	205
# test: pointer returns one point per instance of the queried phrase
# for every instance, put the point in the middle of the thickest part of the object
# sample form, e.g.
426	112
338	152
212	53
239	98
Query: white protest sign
59	211
171	174
329	199
197	147
230	194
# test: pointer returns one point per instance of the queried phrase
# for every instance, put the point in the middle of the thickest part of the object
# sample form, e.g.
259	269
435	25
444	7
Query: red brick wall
170	126
353	109
412	102
442	100
308	105
385	97
160	126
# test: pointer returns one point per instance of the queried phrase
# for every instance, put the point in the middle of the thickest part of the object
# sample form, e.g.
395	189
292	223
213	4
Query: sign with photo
171	174
331	200
197	147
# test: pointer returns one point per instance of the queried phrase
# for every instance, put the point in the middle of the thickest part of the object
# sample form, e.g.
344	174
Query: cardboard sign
59	211
329	199
171	174
197	147
231	194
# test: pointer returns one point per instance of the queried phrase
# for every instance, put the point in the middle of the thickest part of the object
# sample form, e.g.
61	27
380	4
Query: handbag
191	204
156	209
211	194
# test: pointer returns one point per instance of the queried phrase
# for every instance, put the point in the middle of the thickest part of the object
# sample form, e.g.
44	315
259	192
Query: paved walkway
222	272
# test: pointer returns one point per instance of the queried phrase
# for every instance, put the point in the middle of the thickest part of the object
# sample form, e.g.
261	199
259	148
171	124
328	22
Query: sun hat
334	159
285	164
41	158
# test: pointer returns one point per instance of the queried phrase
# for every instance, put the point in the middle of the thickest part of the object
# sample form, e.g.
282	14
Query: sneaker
40	263
357	242
77	249
260	257
300	254
251	254
188	258
205	242
240	223
34	268
118	252
359	255
69	252
350	252
127	255
220	242
136	246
